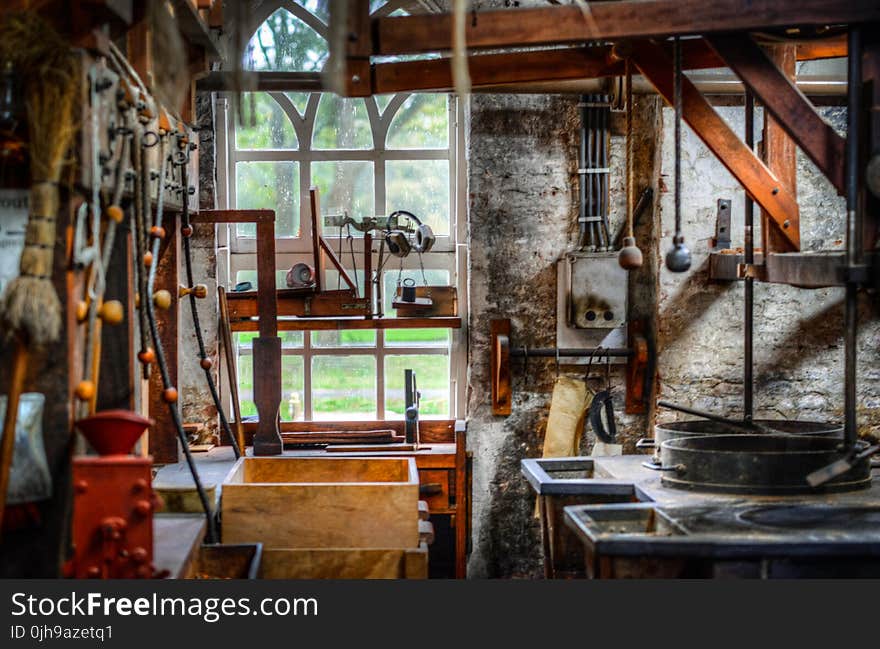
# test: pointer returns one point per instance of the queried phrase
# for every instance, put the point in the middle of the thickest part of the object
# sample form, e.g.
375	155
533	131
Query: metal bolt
775	190
154	175
191	190
786	223
355	78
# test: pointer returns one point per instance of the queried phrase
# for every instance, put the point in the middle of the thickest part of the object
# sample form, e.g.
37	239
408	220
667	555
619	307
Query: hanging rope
678	259
630	256
204	361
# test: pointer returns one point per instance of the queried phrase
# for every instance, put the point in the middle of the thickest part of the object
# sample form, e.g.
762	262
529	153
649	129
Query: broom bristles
31	306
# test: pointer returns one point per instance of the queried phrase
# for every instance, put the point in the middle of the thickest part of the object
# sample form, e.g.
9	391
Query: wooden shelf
342	324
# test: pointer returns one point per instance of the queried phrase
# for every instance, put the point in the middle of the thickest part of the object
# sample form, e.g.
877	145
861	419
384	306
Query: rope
629	150
676	54
211	534
187	256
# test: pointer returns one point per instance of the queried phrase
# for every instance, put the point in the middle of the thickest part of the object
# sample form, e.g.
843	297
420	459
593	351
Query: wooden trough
317	503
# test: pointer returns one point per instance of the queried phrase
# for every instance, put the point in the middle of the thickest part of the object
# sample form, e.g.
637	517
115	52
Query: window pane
246	385
251	276
432	381
344	387
300	101
284	42
289	339
265	125
347	338
413	337
292	388
420	187
344	187
422	122
342	123
269	185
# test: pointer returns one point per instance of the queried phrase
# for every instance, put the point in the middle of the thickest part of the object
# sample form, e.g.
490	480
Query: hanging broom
30	310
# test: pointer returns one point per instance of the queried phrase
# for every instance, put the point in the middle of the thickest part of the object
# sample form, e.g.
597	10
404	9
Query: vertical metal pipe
853	229
749	295
582	176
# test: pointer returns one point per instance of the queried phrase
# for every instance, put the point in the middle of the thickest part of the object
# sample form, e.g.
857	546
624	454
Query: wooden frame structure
717	36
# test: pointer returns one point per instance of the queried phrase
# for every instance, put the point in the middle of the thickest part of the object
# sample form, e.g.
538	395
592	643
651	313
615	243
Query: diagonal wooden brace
761	184
792	110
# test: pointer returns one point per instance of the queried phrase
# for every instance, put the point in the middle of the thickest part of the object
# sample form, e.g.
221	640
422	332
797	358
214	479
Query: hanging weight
425	238
398	243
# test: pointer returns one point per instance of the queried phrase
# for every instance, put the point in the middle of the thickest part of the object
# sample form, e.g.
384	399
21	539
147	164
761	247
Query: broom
30	309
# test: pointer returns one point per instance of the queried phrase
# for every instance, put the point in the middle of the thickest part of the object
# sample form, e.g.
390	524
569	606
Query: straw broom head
30	305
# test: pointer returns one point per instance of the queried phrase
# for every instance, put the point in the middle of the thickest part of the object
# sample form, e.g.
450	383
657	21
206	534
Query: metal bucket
756	464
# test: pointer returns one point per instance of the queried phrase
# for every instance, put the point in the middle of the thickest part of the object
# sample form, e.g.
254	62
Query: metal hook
147	144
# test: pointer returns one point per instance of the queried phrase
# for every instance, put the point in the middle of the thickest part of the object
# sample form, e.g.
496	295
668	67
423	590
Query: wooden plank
612	20
163	442
233	216
461	518
499	366
267	394
267	302
767	190
350	503
315	212
779	151
346	563
116	382
829	48
432	431
344	324
444	303
779	94
494	69
326	304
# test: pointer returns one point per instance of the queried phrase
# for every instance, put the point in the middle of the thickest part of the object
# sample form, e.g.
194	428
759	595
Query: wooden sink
304	502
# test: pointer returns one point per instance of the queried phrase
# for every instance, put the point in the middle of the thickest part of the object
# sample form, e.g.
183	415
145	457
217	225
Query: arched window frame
237	253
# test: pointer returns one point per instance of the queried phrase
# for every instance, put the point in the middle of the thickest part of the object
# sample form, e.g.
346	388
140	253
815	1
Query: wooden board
308	502
443	302
346	563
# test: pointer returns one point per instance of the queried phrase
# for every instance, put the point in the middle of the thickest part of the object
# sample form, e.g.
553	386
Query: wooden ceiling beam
782	98
611	21
773	197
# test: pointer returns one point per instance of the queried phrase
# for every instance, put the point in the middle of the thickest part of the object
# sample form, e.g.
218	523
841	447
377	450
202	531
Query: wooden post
163	442
267	347
780	155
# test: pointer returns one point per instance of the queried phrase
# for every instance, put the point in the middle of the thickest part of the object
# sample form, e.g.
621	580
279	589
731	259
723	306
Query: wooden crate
311	502
346	563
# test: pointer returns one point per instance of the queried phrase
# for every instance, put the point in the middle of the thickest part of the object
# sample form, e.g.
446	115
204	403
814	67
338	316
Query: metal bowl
756	464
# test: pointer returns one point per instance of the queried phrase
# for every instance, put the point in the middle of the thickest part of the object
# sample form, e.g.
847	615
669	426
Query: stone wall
523	197
798	332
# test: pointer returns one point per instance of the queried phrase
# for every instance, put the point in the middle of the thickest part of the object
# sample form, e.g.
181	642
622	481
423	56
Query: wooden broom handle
7	445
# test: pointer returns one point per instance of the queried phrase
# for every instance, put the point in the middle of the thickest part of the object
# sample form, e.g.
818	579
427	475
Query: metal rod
707	415
749	295
582	176
853	230
551	352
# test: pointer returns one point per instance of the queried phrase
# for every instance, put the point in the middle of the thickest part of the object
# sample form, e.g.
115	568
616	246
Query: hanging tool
630	256
678	259
748	426
605	429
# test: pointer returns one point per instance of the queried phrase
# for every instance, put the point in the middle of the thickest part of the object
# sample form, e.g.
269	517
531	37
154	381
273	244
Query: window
367	157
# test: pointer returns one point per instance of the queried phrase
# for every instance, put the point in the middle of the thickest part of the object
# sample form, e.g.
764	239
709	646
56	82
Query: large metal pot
700	427
756	464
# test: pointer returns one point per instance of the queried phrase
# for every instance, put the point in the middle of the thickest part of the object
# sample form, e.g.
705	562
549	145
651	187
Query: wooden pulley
162	299
199	290
111	312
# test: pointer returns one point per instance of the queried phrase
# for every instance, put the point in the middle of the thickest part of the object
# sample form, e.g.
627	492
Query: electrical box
597	290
